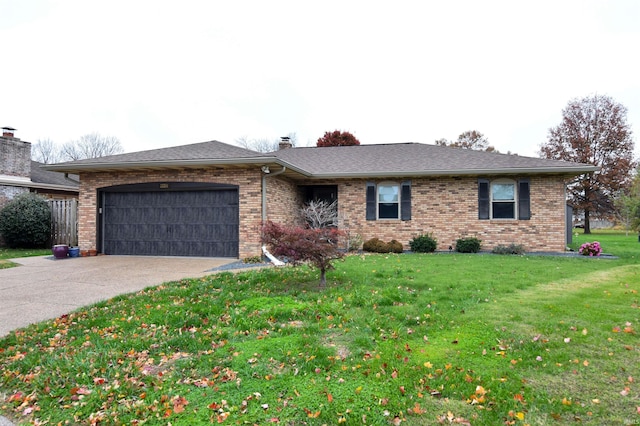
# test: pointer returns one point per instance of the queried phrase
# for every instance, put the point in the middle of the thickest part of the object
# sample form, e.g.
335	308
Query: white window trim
388	183
515	198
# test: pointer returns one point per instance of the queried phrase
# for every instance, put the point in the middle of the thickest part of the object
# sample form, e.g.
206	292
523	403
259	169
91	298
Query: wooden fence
64	221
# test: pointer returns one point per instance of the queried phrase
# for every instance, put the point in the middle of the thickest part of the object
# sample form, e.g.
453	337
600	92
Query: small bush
25	222
395	246
253	259
375	245
590	249
508	249
318	247
354	242
468	245
425	243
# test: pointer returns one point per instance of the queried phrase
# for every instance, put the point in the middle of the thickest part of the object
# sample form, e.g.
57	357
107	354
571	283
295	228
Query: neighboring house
18	174
210	198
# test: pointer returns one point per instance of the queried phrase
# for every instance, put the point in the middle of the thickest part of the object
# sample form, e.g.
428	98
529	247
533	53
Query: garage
169	219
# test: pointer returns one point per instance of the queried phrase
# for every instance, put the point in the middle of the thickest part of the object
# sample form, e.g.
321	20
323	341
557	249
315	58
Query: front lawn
393	339
7	253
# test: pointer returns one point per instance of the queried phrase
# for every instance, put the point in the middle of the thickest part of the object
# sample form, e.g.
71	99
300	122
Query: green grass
426	339
618	243
7	253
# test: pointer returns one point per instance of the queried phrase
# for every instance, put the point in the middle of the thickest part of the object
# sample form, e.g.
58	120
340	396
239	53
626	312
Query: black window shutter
405	200
371	201
483	198
524	203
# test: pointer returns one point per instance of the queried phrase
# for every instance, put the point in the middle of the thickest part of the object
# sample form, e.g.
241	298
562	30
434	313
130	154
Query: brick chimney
285	143
15	155
7	132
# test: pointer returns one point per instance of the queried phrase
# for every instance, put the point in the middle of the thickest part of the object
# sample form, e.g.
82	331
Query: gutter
265	174
467	172
151	164
98	166
38	185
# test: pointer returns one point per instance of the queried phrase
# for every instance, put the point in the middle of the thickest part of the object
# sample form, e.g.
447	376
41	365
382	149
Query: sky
164	73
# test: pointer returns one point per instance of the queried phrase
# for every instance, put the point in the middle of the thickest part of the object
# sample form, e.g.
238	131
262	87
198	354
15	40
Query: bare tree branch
265	144
471	139
45	151
92	145
320	214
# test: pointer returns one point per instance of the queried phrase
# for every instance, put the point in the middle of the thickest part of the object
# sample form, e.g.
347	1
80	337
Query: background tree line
92	145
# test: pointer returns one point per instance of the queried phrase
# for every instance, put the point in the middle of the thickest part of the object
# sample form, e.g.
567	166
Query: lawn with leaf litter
393	339
7	253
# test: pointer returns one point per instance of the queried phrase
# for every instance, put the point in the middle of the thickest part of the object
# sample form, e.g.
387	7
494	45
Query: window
389	200
503	199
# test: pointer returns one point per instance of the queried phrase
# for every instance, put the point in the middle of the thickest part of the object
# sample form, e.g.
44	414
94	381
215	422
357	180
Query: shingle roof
401	159
212	150
40	175
415	159
40	179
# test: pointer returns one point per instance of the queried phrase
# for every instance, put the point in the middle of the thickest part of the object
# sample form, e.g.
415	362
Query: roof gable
401	159
193	155
197	151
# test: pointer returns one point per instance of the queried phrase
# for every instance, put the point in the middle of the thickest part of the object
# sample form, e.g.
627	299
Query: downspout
265	174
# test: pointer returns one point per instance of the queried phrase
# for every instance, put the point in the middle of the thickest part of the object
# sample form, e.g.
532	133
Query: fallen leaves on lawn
451	418
478	397
179	403
312	414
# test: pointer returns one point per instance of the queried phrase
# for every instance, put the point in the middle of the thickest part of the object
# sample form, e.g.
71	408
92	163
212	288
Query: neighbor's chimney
284	143
7	132
15	155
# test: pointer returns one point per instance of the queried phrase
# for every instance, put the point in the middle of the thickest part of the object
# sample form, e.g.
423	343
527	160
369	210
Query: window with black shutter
388	200
524	203
504	199
484	211
405	201
371	201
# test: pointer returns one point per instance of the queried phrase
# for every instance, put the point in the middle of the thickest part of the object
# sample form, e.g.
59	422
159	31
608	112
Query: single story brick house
210	198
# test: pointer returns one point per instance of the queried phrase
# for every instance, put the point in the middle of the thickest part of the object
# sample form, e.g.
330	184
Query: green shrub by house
25	222
423	244
468	245
508	249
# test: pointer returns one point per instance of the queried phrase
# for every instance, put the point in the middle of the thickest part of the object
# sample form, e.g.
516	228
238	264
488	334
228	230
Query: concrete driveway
44	288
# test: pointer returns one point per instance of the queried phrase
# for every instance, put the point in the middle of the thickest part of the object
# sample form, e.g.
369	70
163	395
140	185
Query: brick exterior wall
15	160
15	157
447	207
8	193
283	201
249	187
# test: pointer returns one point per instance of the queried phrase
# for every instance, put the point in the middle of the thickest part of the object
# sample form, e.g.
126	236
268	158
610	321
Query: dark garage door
171	223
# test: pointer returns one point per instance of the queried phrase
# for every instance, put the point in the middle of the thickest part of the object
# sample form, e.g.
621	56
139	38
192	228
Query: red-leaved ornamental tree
337	138
594	130
318	247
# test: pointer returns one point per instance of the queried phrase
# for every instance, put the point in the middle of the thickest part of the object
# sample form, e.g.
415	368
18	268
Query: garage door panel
225	215
171	223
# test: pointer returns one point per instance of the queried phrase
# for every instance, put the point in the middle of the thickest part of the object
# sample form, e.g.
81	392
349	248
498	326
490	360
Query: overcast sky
163	73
